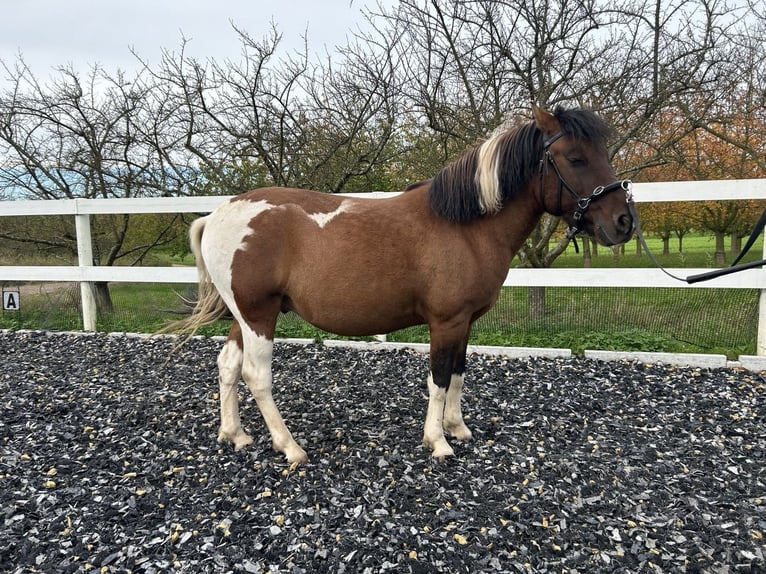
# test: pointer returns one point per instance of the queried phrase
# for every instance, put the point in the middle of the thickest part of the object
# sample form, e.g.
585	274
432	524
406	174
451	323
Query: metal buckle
627	187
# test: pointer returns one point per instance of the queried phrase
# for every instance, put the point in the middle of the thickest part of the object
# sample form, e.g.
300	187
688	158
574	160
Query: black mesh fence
649	319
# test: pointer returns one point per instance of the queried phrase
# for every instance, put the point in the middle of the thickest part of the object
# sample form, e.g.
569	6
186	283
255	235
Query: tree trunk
536	299
587	259
736	243
720	250
103	297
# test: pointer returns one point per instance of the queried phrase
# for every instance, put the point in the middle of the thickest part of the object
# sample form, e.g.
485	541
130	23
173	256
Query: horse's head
576	180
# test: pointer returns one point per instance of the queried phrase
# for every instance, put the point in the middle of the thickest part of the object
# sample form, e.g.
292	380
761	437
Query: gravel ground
109	463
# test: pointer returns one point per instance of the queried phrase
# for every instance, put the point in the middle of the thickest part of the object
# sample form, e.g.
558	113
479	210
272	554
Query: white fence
86	273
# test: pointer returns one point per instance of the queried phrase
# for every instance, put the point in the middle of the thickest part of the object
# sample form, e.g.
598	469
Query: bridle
582	203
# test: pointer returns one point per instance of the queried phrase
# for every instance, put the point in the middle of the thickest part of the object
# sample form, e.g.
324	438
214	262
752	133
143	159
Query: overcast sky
50	33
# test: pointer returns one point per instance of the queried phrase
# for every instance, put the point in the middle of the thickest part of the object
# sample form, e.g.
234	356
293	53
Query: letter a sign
11	301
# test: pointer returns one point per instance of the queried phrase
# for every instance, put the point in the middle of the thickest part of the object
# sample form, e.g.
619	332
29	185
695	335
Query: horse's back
263	209
291	195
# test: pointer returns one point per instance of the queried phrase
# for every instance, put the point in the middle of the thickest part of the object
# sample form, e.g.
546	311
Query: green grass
722	321
699	251
672	320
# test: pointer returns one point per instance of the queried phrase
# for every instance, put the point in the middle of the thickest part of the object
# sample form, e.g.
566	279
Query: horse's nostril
625	223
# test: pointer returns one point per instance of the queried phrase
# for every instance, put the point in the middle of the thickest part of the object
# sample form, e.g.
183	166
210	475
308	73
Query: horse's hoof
242	443
440	449
296	455
443	455
461	433
239	439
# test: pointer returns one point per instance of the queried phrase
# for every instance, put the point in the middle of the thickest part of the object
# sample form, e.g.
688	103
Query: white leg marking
433	433
229	370
453	414
256	371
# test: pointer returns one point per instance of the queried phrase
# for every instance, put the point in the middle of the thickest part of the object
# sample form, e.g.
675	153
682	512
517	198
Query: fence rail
86	273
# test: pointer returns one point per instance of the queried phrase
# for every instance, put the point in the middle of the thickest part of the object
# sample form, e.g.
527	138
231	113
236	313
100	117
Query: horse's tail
209	307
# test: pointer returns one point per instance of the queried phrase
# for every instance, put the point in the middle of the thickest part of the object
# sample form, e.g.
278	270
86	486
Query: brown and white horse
437	254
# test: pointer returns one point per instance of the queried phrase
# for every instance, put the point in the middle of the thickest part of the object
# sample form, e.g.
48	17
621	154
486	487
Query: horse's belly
354	318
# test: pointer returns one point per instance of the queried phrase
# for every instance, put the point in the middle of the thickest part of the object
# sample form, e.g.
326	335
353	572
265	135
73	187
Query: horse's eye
576	161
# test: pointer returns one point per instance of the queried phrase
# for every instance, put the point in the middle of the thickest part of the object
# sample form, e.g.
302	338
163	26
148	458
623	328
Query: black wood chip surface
109	463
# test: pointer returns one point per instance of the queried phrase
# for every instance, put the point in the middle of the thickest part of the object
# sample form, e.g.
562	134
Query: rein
708	275
578	221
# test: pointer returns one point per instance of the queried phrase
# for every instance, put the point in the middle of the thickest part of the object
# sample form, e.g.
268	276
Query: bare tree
735	114
355	111
81	137
284	120
473	64
426	80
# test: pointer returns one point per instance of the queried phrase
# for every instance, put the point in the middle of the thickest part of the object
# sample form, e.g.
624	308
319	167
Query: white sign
11	300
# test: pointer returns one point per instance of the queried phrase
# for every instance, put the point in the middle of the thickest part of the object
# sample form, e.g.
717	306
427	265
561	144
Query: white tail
209	306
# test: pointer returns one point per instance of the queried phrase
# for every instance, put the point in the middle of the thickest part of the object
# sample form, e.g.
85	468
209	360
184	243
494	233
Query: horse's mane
486	176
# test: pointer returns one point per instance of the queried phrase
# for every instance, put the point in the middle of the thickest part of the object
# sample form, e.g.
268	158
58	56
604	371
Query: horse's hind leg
229	370
256	371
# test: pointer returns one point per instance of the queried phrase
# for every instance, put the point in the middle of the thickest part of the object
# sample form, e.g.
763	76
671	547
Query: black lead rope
642	241
725	271
733	268
691	279
757	229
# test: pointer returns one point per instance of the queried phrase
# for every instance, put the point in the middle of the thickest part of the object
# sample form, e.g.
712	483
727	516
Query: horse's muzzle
617	231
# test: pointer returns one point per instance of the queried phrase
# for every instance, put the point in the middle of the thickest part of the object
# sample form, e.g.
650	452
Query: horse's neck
516	220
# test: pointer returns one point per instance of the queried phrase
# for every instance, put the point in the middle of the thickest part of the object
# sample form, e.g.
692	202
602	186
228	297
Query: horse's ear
546	122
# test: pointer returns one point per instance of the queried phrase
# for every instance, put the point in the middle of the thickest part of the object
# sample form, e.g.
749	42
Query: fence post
85	259
760	341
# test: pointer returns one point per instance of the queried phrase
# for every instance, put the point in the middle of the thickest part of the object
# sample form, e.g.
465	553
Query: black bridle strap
549	142
547	158
584	202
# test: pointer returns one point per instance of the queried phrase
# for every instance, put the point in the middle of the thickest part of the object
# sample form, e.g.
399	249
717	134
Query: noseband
578	217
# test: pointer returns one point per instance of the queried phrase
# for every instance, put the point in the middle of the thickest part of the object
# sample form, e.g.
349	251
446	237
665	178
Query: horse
436	254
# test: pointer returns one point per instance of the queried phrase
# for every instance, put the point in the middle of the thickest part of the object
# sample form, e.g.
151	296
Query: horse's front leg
453	413
229	371
445	384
